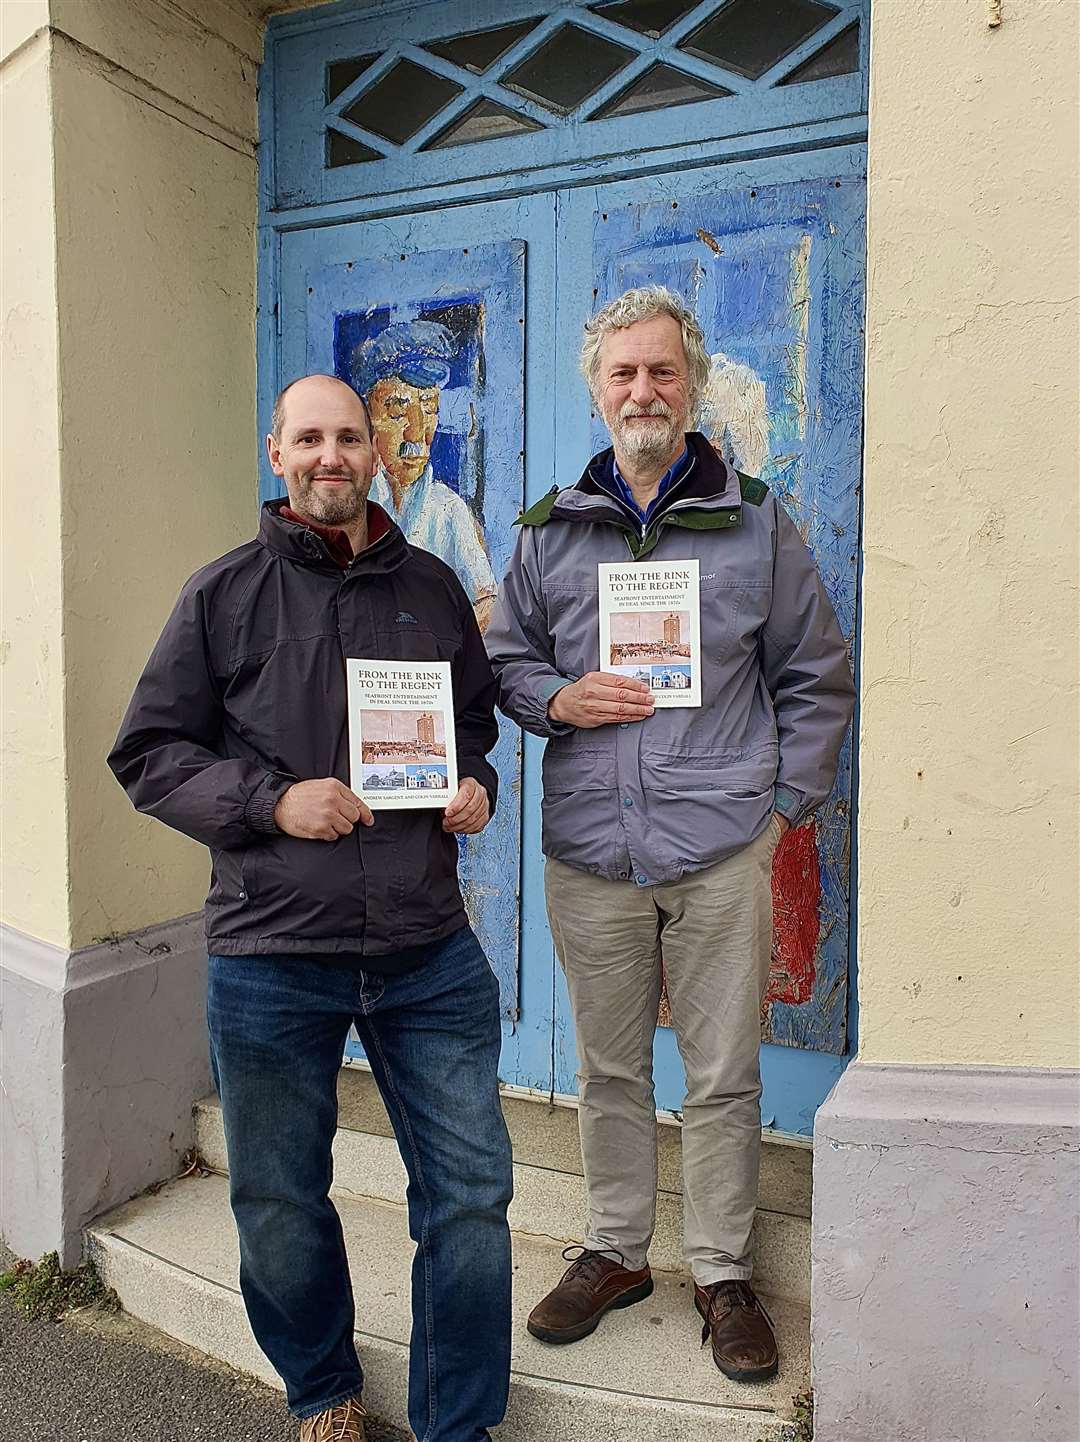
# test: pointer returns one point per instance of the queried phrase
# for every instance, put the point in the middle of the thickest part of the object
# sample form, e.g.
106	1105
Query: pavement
100	1377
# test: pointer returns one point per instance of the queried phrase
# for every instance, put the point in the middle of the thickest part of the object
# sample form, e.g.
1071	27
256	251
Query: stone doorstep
545	1134
642	1377
549	1199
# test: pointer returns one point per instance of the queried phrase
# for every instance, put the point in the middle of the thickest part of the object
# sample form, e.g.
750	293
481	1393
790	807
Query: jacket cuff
789	804
259	811
545	691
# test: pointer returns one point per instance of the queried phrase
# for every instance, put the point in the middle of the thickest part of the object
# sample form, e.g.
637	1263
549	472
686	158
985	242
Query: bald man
322	915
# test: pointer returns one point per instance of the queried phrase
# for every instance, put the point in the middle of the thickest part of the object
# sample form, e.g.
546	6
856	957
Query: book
650	627
402	751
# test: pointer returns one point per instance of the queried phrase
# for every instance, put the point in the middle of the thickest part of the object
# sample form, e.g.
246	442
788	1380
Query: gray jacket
649	800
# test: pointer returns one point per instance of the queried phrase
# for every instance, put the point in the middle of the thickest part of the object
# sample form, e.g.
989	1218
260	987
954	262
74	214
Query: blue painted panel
465	270
799	331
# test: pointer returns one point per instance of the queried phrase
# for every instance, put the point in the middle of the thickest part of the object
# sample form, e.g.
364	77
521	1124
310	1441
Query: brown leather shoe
743	1345
594	1283
343	1423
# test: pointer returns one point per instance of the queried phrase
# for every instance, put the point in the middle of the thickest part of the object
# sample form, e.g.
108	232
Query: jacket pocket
701	807
230	884
579	809
733	611
569	769
412	642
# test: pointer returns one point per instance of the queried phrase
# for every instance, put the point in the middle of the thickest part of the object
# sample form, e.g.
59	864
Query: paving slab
100	1377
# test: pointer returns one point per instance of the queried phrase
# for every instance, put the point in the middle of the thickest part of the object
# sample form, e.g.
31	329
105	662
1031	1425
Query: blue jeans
278	1026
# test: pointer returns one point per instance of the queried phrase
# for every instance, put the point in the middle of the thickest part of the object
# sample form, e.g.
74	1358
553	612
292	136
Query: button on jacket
650	800
245	693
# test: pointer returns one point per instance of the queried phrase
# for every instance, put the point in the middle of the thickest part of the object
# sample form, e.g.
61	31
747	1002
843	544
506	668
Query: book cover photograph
401	733
650	627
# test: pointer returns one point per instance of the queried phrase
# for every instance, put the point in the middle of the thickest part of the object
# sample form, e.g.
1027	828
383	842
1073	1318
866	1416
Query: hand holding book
320	810
599	699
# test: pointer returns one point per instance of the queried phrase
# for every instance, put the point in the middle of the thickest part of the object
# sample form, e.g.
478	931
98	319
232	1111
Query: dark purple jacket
245	694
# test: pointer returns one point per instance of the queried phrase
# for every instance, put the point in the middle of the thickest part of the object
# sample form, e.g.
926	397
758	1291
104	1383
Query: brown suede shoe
743	1344
594	1283
343	1423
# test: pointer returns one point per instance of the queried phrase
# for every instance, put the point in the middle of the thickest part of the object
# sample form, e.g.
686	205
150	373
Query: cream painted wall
33	803
156	214
968	796
19	20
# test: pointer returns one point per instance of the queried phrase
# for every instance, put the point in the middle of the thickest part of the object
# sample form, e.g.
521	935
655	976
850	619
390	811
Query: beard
339	507
645	442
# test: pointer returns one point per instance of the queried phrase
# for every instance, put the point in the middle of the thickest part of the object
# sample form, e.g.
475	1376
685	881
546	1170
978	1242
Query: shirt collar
670	476
337	540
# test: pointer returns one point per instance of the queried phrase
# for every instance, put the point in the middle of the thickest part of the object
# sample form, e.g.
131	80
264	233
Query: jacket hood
298	543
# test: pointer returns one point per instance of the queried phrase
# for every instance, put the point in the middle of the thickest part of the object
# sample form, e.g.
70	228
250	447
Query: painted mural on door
774	276
435	343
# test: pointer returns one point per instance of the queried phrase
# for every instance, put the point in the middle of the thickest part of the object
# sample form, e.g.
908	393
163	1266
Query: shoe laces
735	1294
340	1423
585	1261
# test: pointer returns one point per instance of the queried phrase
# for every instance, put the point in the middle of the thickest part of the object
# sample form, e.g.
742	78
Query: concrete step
642	1377
549	1185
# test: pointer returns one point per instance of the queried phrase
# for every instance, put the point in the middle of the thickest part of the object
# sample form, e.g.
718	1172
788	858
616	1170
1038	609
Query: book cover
402	751
650	627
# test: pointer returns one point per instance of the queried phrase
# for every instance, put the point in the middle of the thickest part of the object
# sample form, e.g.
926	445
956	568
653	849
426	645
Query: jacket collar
708	487
304	546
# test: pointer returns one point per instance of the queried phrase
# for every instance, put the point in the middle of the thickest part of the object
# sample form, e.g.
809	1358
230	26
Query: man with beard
322	915
660	825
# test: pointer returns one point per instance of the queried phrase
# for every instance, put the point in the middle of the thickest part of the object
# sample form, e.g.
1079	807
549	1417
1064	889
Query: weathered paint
774	274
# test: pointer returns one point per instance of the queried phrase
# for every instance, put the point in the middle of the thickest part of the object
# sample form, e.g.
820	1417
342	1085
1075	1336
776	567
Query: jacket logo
406	618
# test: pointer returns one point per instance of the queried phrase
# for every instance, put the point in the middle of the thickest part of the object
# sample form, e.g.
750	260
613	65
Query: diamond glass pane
750	36
569	67
839	57
658	89
647	17
480	52
402	101
344	150
340	74
483	121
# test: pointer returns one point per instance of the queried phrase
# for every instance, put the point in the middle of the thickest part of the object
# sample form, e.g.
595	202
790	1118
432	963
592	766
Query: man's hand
601	698
320	810
782	823
469	811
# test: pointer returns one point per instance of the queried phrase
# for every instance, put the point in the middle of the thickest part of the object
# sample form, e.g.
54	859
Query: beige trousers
714	929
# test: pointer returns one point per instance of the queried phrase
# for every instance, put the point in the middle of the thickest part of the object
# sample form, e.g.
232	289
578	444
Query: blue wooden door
479	175
770	257
476	283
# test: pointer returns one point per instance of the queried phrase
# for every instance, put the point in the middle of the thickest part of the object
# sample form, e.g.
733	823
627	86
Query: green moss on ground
44	1291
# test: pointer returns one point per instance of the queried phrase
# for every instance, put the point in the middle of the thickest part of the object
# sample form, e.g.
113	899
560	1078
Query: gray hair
644	303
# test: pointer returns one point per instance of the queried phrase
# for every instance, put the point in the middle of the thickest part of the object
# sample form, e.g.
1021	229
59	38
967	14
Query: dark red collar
337	541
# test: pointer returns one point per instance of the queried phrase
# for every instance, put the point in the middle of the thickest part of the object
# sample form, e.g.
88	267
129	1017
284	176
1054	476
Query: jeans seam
423	1241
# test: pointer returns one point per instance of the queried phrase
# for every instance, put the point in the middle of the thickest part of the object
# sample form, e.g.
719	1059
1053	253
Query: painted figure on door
402	372
734	414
